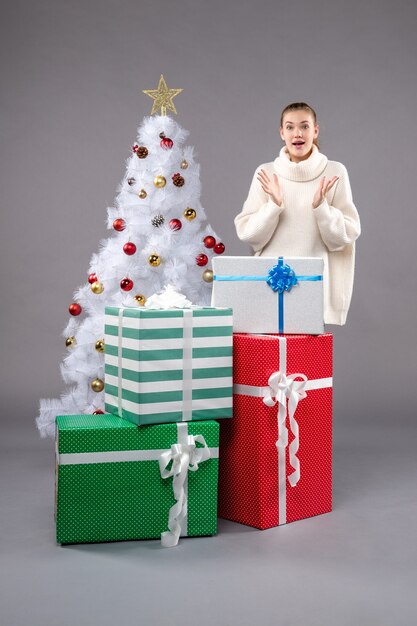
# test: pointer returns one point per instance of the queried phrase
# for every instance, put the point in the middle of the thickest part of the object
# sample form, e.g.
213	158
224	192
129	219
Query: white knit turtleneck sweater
296	229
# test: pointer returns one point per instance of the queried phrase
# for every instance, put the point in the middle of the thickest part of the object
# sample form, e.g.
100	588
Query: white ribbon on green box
170	365
286	391
183	456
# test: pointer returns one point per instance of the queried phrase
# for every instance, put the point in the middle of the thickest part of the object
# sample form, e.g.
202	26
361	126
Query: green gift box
168	365
115	481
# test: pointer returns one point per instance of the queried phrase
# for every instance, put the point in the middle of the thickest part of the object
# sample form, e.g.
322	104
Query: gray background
72	75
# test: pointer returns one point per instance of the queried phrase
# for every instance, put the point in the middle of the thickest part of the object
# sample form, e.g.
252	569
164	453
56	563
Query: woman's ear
281	134
316	131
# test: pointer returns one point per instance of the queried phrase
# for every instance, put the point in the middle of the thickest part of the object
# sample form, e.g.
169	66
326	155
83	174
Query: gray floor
356	565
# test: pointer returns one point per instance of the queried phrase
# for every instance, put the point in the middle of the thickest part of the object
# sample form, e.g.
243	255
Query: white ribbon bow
280	388
168	298
182	457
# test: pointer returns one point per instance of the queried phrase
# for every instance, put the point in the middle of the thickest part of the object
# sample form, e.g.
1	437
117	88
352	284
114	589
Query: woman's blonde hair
300	106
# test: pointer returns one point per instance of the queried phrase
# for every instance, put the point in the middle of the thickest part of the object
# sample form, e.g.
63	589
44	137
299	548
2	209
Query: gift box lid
256	357
264	263
105	433
205	311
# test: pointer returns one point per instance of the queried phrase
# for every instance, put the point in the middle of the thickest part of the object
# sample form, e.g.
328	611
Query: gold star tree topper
162	97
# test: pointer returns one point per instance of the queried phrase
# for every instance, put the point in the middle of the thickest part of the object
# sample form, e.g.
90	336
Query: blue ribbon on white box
281	278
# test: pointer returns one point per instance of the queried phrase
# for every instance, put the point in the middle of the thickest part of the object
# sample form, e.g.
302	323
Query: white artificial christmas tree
160	236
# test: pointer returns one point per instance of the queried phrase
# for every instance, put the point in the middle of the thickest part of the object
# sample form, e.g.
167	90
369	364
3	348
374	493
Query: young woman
301	205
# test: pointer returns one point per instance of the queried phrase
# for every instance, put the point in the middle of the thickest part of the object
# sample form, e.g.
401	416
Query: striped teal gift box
168	365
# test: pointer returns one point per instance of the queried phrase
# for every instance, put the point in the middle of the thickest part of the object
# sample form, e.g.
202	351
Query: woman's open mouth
298	144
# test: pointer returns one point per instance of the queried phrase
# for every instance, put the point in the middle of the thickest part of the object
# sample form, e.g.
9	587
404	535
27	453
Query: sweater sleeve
259	217
339	223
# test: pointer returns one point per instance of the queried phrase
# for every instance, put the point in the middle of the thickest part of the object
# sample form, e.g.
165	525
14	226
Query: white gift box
271	294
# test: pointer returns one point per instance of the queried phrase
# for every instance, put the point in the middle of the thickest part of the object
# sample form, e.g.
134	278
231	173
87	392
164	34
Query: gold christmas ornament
159	181
154	260
140	299
70	342
142	194
97	385
208	276
162	97
100	345
184	165
190	214
97	287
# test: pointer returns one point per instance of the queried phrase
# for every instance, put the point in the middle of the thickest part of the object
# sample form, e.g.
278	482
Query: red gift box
276	452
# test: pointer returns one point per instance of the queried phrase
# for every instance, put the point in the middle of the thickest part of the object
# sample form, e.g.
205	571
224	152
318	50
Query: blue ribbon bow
281	277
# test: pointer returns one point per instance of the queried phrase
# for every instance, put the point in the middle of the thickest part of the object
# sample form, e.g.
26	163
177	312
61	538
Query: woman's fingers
264	181
264	186
323	188
332	182
270	185
263	177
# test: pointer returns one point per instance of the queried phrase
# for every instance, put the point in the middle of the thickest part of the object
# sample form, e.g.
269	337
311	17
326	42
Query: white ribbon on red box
283	387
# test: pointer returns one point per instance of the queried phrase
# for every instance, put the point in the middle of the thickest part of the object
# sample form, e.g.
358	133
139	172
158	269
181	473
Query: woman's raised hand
322	190
271	186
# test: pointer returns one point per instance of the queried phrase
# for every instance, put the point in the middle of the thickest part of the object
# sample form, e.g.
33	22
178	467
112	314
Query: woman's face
298	131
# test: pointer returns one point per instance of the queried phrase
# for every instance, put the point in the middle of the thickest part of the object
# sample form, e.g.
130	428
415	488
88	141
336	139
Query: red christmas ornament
175	224
119	224
209	241
166	143
92	278
74	308
126	284
129	248
219	248
201	259
98	412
